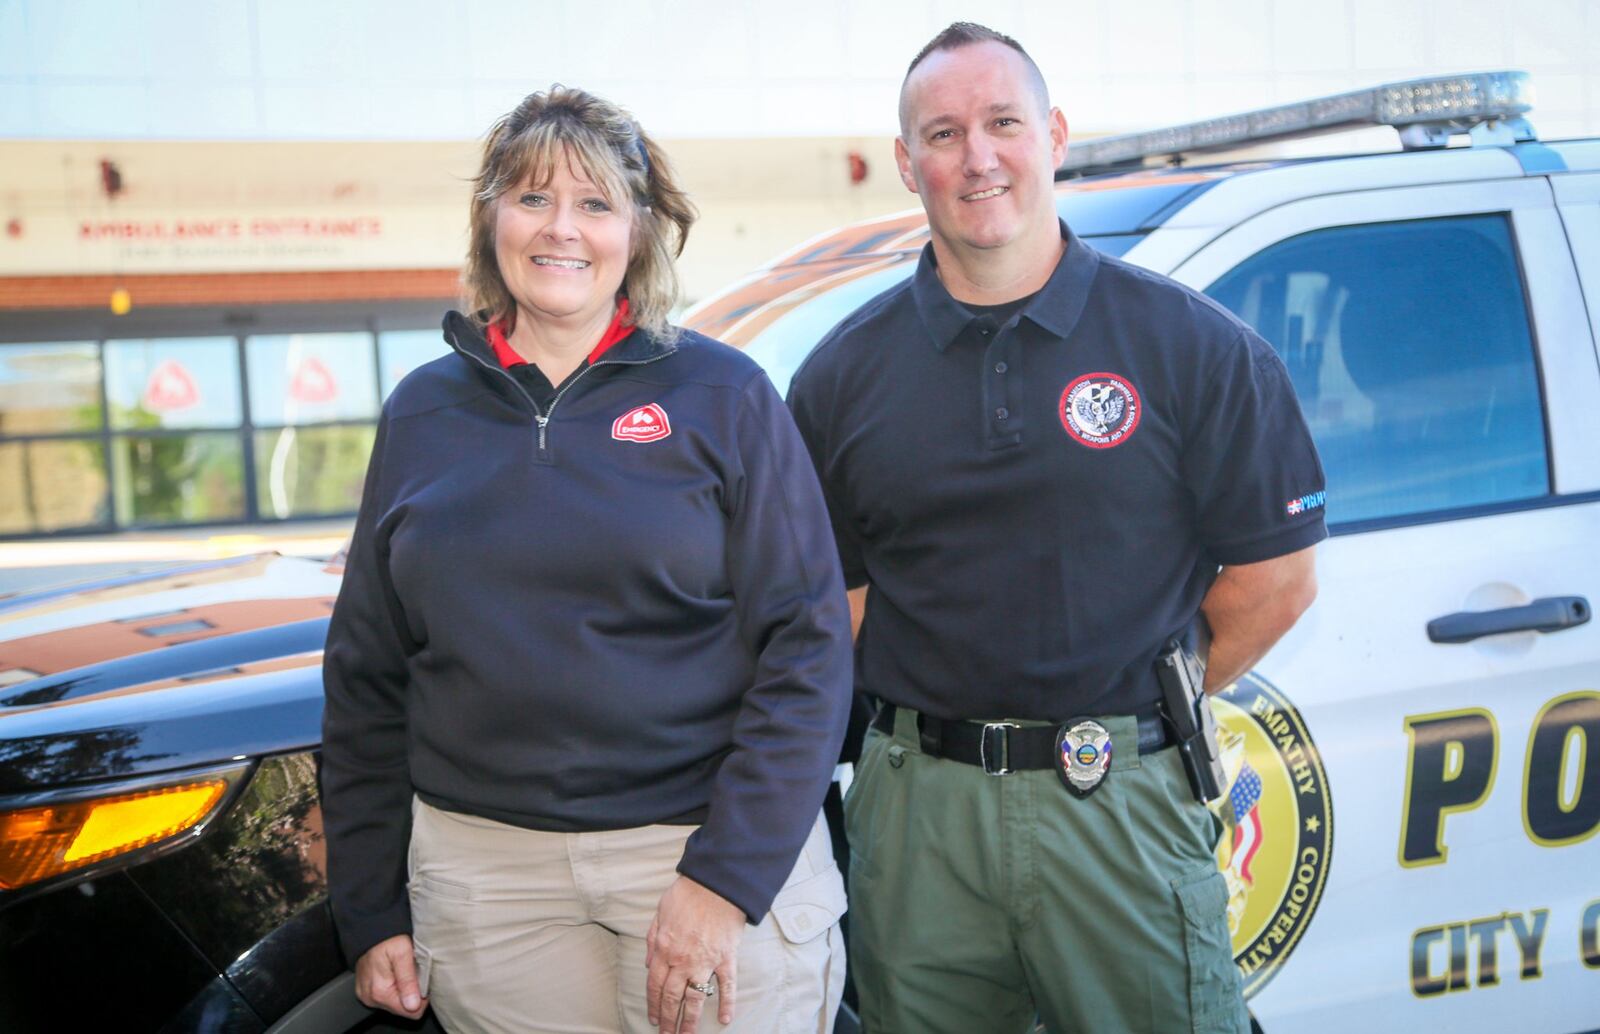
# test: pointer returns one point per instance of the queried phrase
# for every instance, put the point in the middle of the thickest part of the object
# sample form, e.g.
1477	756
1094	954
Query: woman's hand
386	978
695	934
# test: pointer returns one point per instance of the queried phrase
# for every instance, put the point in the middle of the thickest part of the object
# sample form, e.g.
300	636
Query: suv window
1409	347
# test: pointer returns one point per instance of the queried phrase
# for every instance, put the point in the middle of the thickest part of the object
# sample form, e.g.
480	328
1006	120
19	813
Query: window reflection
311	378
401	351
304	472
1409	348
173	383
178	478
49	389
52	485
156	431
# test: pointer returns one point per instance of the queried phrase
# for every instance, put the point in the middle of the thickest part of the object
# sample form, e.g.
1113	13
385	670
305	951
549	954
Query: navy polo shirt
1039	504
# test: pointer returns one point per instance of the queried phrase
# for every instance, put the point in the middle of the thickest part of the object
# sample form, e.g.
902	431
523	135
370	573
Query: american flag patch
1310	501
1243	798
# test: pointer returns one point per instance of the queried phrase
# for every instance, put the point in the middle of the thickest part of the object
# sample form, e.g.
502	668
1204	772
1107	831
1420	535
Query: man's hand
695	934
1250	607
386	978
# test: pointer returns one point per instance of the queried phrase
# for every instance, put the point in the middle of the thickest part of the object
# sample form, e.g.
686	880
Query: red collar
620	328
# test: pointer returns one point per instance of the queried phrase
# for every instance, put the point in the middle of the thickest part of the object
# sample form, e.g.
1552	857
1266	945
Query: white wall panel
1391	35
1310	36
1472	34
307	43
1067	41
320	69
1152	36
18	55
19	115
106	109
296	111
1554	37
102	38
197	43
421	41
803	48
189	110
1233	36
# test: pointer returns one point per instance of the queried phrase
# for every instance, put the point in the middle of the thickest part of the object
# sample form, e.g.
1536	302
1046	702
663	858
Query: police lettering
1453	972
1452	766
1589	935
1561	786
1451	769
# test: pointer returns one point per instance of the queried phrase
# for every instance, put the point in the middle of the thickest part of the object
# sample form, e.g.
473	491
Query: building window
195	478
173	383
299	379
49	389
311	471
97	435
401	351
52	485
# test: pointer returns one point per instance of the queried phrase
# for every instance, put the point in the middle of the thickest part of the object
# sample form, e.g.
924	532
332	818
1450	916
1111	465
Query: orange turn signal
41	842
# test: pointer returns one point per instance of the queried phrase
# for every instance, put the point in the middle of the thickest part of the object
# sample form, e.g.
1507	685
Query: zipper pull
542	421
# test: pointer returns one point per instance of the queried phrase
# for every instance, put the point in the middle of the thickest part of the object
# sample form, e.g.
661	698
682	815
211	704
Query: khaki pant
521	930
980	901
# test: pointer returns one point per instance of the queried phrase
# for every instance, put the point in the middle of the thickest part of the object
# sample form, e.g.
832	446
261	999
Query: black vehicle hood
184	667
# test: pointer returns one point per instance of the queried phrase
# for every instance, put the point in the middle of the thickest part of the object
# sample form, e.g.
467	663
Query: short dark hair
964	34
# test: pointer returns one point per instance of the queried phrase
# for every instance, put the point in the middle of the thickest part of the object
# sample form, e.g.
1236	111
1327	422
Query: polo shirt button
1002	413
1000	367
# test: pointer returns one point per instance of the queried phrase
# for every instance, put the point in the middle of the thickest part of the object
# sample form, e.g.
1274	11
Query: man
1037	457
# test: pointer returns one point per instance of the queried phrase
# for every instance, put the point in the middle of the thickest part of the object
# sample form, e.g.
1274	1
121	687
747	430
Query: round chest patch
1100	410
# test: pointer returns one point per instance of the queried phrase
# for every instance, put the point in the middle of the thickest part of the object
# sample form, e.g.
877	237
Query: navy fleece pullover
619	610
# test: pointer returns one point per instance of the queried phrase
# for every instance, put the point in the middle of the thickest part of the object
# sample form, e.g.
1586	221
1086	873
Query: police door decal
1277	816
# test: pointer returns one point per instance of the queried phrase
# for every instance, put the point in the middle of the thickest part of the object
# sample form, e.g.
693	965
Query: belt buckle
1004	752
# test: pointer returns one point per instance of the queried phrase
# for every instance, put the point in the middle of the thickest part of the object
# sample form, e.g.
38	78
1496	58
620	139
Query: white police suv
1415	770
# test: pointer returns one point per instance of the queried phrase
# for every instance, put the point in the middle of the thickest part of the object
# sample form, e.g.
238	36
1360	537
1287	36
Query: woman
590	666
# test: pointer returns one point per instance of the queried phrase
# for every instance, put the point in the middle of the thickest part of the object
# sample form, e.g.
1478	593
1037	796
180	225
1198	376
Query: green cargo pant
977	901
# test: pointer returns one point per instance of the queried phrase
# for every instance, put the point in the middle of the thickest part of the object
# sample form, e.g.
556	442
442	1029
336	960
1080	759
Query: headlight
79	831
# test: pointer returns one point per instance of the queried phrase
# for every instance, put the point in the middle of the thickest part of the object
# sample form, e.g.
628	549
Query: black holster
1180	668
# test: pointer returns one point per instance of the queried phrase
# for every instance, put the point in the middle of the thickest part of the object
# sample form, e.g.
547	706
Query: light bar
1454	103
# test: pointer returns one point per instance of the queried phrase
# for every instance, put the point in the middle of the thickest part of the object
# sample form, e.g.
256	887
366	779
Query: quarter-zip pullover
620	608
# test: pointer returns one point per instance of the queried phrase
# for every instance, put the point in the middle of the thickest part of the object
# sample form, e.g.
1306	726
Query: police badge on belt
1083	755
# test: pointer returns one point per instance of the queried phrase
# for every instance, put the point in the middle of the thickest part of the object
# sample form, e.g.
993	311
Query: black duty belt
1002	747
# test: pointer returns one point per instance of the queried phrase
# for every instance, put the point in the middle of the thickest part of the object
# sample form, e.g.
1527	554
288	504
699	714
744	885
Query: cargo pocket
805	909
1215	1004
807	914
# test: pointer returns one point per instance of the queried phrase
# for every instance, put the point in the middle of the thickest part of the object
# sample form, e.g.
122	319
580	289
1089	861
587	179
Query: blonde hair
611	149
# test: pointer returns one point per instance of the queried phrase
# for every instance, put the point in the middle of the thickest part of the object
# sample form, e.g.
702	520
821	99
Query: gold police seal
1277	815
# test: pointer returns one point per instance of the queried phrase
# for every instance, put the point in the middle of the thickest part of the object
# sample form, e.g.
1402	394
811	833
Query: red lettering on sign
277	227
170	388
313	382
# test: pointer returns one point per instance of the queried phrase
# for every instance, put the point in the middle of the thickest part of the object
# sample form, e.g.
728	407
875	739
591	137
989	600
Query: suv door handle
1550	614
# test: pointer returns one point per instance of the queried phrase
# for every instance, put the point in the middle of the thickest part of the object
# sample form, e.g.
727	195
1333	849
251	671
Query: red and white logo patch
644	424
1100	410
